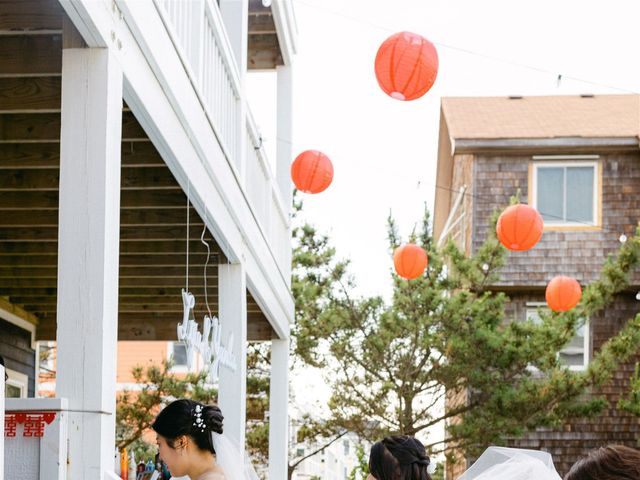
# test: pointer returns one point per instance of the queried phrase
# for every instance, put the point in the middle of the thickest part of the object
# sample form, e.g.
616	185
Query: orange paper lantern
563	293
519	227
406	66
410	260
312	171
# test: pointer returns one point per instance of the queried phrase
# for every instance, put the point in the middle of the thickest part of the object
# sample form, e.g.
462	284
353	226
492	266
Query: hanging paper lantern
312	171
519	227
410	260
406	66
563	293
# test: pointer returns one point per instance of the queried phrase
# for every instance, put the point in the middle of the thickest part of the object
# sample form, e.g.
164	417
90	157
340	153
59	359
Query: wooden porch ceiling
263	45
153	207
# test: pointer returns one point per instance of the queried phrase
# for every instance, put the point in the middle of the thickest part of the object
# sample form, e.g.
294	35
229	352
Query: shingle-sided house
577	160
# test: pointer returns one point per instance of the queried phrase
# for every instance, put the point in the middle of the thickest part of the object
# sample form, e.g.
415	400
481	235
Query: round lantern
563	293
312	171
406	66
410	260
519	227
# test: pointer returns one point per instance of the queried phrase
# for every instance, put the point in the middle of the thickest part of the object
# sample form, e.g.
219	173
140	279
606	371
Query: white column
232	312
235	14
284	148
2	421
88	236
278	410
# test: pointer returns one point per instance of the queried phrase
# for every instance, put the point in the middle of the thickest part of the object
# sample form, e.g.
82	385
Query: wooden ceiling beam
45	127
136	248
127	233
30	16
132	327
30	55
143	178
30	94
46	155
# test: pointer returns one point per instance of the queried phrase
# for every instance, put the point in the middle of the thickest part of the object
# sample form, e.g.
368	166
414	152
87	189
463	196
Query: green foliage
446	335
631	403
361	470
135	411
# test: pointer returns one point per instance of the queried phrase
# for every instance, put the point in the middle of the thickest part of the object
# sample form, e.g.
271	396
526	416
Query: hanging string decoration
312	171
519	227
563	293
410	261
406	66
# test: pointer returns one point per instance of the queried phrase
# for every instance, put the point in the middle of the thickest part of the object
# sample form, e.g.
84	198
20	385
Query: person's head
614	462
398	458
184	429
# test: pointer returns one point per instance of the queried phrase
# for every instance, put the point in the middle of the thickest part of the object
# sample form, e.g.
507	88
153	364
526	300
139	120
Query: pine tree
446	335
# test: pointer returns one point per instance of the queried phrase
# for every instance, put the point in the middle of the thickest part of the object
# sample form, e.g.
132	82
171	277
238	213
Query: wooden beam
22	55
261	25
128	217
134	199
132	328
26	94
30	15
149	178
47	155
196	260
71	38
45	127
7	306
135	248
17	284
136	233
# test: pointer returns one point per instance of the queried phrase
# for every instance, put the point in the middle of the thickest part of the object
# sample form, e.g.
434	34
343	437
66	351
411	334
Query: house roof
540	124
598	116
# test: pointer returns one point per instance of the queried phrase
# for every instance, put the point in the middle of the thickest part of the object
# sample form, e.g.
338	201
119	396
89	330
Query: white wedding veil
229	458
501	463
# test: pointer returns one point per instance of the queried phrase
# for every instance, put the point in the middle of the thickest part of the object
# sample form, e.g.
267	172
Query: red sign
34	423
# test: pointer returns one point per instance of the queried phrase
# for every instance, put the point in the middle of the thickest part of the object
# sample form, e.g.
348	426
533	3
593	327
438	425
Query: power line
557	74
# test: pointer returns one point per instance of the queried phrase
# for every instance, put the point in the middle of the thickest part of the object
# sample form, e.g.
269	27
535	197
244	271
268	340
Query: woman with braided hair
191	442
399	458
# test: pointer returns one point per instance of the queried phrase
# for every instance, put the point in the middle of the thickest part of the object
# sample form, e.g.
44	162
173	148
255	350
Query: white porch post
232	312
88	236
278	410
284	148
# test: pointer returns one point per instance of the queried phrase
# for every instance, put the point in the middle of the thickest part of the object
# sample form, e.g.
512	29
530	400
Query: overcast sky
383	150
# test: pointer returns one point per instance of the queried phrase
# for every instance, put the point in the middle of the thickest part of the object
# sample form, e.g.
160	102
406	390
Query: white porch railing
264	198
198	33
35	438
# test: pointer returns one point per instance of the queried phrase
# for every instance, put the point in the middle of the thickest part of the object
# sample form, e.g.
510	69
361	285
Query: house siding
576	253
15	347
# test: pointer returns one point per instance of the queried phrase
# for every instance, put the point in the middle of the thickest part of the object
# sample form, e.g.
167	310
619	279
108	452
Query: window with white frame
177	352
566	192
575	354
16	385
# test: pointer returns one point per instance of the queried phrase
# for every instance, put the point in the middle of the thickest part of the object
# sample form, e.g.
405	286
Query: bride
191	442
500	463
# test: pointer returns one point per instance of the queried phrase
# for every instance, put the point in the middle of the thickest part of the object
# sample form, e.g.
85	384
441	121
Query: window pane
580	194
11	391
179	355
550	194
572	359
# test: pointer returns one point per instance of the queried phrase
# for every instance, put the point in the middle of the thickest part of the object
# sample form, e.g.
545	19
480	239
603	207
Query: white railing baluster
200	38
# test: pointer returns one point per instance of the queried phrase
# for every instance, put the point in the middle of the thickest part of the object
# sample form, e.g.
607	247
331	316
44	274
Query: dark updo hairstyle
179	418
399	458
614	462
